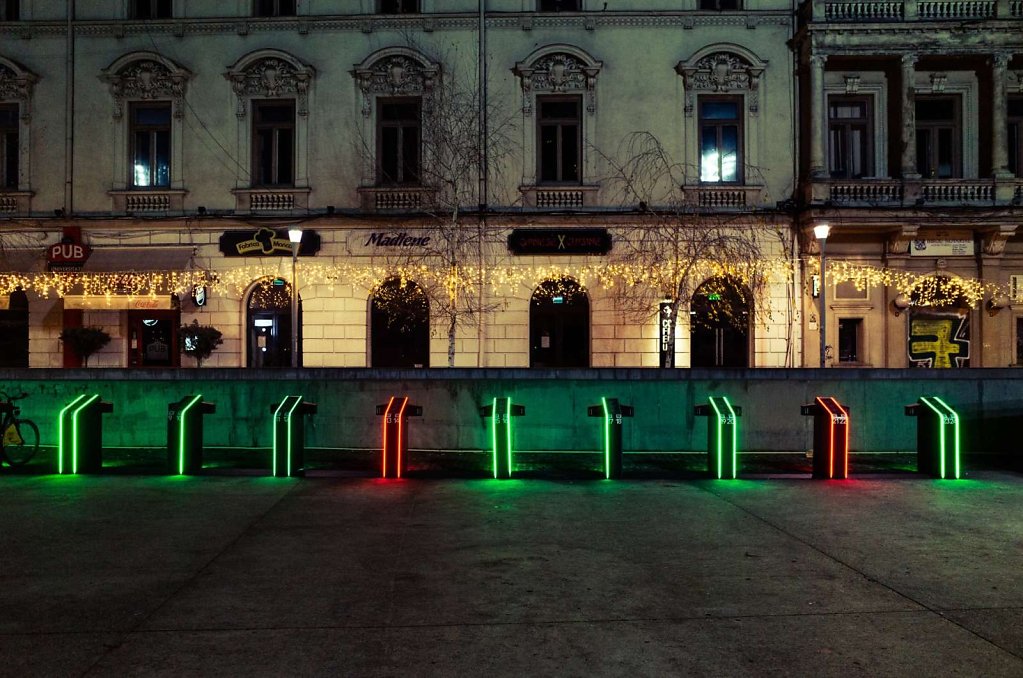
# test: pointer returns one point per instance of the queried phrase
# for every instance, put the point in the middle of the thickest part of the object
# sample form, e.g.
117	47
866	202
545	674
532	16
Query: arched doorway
559	325
268	324
14	330
939	324
399	320
719	316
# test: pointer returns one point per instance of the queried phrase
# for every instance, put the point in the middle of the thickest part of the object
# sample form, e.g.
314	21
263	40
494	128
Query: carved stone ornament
558	72
396	75
146	79
994	241
271	76
16	85
721	72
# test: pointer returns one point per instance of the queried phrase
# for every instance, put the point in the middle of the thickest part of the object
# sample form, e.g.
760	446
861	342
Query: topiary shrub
84	341
199	341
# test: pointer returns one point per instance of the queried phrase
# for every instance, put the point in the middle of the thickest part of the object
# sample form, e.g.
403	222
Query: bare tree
450	263
672	247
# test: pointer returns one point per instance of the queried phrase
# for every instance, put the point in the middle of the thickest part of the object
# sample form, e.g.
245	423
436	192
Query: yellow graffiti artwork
942	345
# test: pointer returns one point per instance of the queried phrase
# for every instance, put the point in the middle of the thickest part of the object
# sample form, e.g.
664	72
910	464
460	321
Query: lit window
150	138
720	140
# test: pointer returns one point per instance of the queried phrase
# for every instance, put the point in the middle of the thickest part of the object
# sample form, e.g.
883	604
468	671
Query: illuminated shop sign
559	241
267	242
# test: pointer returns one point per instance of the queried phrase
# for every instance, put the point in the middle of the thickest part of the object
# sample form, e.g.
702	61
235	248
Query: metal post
295	236
824	307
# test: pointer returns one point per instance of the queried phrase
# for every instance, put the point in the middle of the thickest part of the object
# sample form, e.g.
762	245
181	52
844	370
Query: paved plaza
148	575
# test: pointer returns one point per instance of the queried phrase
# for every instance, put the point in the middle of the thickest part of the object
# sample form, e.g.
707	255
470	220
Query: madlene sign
559	241
267	242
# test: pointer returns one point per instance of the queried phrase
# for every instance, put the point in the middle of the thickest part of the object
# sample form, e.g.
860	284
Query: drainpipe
69	111
483	179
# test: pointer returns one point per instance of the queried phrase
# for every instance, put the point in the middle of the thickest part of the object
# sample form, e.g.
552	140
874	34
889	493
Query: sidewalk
119	575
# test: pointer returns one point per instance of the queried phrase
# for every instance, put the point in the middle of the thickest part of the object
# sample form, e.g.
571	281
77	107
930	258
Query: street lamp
821	232
295	236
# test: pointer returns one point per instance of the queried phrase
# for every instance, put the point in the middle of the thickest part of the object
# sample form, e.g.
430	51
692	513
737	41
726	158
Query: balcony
718	197
559	197
400	198
917	192
271	200
872	11
149	201
15	202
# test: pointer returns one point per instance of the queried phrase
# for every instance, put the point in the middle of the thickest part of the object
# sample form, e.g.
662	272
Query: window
151	9
398	7
850	339
275	7
850	146
1015	137
10	10
558	6
9	146
150	145
720	139
938	137
398	142
273	143
719	5
560	139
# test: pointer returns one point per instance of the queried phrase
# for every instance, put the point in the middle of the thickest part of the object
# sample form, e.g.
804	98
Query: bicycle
19	438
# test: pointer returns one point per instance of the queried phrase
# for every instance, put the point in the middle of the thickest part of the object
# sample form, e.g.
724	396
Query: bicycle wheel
21	444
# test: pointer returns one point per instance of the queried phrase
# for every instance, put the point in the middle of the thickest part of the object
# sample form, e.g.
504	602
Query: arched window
399	325
268	324
559	325
939	324
719	324
14	331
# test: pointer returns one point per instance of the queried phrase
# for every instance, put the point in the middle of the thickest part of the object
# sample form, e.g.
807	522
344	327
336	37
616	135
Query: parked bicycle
19	438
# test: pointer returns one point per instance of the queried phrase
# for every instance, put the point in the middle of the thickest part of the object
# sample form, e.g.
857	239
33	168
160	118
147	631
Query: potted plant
84	341
199	341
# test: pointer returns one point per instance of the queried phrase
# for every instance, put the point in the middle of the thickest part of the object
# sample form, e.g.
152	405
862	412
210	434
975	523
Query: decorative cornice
270	73
558	69
395	71
16	84
146	76
722	68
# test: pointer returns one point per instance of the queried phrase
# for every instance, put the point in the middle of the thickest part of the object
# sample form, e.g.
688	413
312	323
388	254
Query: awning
22	261
121	259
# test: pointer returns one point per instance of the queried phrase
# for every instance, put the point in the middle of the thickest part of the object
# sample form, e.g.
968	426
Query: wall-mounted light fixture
900	304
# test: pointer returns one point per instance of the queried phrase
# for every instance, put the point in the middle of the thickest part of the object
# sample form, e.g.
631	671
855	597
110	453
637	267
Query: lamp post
295	236
821	232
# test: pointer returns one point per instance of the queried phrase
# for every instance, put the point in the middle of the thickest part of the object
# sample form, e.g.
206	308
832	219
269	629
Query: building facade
156	153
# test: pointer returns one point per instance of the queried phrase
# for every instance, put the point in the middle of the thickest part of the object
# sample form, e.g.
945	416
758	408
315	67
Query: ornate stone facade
270	74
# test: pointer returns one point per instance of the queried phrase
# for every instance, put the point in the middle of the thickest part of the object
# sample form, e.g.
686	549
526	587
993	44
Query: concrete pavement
241	575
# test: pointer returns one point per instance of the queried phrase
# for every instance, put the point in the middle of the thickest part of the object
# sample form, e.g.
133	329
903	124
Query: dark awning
22	261
119	259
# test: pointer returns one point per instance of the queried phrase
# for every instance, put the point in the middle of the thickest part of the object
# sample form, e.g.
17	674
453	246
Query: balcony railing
867	11
867	191
558	197
250	200
722	197
411	198
15	202
919	192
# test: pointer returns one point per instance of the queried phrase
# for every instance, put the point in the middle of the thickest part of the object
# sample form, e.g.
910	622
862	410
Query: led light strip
61	451
717	417
298	399
493	433
387	414
401	421
273	433
955	422
831	436
508	423
607	439
735	437
181	433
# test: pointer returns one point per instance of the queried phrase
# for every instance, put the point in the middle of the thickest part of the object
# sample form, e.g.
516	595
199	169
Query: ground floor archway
719	319
559	325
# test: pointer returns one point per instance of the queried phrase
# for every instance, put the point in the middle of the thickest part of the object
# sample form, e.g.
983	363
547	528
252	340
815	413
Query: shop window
720	121
272	8
10	148
273	143
1015	136
559	325
560	140
153	338
850	340
399	326
719	317
151	9
150	145
14	331
398	7
398	142
268	325
850	146
938	137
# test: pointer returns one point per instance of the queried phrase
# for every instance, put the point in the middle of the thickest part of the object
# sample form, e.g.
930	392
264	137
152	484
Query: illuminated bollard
288	458
722	436
80	435
396	412
937	437
184	434
830	437
502	411
612	412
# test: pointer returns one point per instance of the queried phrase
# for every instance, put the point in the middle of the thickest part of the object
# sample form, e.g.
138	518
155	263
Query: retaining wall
990	400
